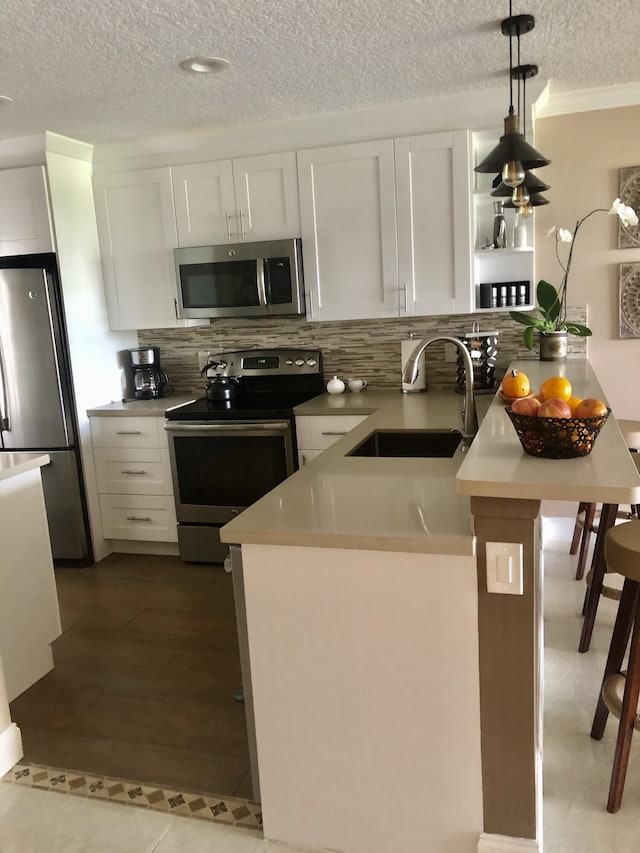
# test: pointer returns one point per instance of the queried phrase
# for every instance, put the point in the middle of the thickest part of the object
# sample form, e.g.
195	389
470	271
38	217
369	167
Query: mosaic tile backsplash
368	349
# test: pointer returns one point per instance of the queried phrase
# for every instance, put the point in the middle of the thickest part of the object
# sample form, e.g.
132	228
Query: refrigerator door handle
4	396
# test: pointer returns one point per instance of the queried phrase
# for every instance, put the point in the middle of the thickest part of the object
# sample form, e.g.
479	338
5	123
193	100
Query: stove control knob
299	362
311	362
289	362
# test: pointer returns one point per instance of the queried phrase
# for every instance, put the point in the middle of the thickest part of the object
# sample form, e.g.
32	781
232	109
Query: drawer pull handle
129	432
133	472
333	433
137	518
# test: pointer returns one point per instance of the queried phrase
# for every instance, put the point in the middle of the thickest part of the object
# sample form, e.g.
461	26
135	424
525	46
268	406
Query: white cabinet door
435	211
25	224
348	225
266	190
205	203
228	201
137	233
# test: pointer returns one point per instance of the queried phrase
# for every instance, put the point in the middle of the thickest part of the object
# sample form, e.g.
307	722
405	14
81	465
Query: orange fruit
515	384
590	408
556	386
573	402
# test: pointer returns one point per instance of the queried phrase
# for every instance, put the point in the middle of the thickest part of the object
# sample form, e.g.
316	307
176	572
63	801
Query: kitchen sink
410	443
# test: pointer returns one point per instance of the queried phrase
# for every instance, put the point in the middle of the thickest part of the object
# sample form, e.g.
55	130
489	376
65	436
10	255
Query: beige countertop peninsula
497	467
422	505
13	464
385	504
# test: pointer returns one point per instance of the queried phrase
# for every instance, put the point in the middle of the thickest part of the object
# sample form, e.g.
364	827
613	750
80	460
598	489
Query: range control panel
265	362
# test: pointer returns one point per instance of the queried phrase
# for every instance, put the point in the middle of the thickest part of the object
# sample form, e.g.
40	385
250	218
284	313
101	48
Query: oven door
220	468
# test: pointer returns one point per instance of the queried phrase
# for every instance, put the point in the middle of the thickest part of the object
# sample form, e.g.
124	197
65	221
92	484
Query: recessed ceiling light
5	99
205	64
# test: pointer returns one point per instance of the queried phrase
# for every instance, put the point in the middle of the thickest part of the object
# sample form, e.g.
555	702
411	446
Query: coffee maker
149	379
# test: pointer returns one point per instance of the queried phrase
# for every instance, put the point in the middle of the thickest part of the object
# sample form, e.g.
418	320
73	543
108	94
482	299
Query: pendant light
513	156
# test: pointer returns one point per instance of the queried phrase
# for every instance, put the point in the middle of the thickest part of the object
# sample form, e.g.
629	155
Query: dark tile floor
144	675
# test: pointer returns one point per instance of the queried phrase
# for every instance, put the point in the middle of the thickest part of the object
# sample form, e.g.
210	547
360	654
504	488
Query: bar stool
595	579
620	691
587	517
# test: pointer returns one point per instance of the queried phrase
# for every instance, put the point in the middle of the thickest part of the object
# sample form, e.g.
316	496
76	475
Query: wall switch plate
504	567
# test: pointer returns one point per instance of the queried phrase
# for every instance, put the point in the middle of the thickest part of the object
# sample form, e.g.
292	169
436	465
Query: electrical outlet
450	352
504	567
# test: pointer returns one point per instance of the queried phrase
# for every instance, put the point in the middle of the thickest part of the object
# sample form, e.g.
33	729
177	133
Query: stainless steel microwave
240	280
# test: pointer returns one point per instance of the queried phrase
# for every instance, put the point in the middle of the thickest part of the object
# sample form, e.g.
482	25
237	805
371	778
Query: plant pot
553	346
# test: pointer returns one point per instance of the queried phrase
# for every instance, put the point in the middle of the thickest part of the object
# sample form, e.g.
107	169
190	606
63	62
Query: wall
369	349
587	150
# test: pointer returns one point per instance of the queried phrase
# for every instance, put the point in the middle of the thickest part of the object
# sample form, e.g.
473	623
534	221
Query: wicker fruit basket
557	438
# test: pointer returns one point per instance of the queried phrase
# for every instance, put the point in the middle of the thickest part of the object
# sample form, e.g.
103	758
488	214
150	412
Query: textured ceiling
110	71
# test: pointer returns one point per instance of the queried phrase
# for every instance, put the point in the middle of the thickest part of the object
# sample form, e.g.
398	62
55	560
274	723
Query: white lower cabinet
131	456
317	432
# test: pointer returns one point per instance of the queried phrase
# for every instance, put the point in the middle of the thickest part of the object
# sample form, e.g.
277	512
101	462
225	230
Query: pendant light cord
510	61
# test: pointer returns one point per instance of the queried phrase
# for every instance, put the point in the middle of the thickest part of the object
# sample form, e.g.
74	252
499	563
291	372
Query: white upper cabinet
25	223
137	234
228	201
435	214
348	224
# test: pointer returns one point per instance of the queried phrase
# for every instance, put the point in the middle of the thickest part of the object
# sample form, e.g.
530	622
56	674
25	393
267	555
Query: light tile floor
576	768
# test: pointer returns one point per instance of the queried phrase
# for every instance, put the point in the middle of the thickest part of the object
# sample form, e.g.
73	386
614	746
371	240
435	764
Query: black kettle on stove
219	386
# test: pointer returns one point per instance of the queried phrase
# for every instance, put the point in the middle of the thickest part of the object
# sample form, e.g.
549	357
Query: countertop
385	504
11	465
141	408
496	465
422	505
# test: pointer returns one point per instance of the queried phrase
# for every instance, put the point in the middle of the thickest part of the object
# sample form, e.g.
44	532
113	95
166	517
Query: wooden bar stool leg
627	720
590	512
582	506
619	640
607	520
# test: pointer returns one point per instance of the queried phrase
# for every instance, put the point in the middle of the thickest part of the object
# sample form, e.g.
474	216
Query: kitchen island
29	613
397	702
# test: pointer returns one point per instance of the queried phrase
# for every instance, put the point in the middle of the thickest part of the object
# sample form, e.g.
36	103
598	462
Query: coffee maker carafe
149	379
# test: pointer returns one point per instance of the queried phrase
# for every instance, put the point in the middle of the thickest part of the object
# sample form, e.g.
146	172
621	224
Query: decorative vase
553	346
499	226
519	236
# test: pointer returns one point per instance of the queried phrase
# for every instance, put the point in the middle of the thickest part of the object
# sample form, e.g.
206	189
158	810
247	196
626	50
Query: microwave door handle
267	281
4	395
262	293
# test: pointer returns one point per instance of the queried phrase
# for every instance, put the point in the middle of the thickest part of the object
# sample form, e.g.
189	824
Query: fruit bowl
557	438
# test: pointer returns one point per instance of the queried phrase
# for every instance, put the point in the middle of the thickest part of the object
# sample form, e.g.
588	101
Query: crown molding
585	100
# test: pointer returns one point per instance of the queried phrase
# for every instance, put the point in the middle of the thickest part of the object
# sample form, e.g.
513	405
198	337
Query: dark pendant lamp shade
512	147
513	157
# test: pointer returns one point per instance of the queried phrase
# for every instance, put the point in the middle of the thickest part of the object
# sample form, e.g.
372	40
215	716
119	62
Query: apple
554	407
525	406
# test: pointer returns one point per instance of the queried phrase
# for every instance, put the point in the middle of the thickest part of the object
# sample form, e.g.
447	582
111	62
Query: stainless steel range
236	443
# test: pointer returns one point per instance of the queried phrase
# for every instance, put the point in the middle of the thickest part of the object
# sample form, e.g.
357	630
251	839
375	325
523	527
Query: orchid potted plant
551	300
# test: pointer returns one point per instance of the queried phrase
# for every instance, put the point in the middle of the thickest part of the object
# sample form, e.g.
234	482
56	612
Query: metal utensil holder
483	349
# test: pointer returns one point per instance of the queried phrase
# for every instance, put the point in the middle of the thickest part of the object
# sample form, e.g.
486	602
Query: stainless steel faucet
410	374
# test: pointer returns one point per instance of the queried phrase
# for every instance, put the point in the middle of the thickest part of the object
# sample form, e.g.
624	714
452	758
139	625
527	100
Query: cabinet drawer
148	518
128	432
316	432
140	471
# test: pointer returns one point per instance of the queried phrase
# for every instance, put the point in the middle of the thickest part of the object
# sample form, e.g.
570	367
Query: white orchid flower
627	214
564	236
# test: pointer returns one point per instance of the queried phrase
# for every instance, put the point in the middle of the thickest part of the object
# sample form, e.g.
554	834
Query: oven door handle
199	426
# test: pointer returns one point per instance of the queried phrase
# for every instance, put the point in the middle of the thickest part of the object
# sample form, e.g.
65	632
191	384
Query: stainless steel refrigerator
37	412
